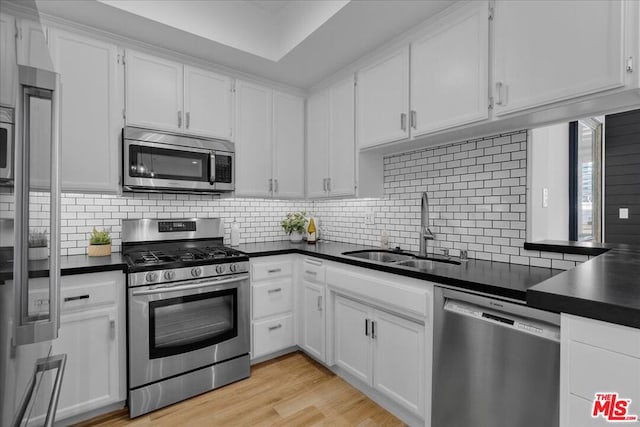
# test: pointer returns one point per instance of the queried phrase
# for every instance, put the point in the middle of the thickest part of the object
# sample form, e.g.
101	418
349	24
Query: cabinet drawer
593	370
621	339
579	411
271	270
272	335
313	271
271	297
82	291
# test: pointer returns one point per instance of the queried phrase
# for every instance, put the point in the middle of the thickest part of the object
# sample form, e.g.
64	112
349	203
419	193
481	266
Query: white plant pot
295	237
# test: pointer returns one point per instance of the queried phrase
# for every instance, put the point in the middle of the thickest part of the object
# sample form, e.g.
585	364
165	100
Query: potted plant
99	243
38	245
294	225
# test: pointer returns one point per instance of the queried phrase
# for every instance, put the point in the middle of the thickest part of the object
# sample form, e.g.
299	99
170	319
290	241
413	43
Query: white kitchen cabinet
269	142
88	66
207	103
450	72
154	95
331	141
32	49
596	357
547	52
382	100
313	338
8	69
384	351
288	145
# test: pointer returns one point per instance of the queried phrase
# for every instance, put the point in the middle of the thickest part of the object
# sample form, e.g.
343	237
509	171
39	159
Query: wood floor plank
292	390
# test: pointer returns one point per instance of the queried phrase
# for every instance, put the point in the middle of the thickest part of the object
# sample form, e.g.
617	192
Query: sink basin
379	255
425	264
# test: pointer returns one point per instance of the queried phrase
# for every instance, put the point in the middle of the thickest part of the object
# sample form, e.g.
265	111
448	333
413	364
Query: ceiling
298	43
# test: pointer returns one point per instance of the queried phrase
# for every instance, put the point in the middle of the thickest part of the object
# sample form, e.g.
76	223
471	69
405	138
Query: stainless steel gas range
188	310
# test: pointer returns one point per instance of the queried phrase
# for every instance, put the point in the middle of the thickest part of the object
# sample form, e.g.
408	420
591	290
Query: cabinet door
91	378
253	140
317	144
399	359
8	70
552	51
88	66
342	164
288	142
154	92
352	345
449	72
207	103
383	100
313	329
32	45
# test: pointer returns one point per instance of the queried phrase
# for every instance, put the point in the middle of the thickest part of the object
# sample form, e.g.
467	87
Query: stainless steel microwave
161	161
6	145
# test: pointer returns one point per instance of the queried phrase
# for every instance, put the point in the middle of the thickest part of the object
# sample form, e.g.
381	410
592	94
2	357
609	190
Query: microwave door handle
212	168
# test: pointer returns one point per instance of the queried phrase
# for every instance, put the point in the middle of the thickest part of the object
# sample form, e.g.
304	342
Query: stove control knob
233	268
151	277
220	269
169	275
195	272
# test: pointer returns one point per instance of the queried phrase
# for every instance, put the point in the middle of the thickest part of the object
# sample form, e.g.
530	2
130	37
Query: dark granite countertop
496	278
72	264
568	247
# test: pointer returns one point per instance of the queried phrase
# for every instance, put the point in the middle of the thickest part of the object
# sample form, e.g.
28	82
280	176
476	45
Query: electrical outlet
623	213
370	217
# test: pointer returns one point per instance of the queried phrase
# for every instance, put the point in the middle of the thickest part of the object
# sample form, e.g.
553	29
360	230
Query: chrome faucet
425	232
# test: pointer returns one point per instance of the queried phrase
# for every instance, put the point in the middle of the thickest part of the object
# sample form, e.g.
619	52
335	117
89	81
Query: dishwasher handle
517	323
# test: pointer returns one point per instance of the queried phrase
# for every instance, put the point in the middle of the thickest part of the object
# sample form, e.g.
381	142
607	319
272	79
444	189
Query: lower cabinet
272	335
383	350
312	319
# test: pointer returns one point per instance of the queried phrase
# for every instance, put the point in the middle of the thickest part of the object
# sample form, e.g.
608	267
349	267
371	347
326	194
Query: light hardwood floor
291	390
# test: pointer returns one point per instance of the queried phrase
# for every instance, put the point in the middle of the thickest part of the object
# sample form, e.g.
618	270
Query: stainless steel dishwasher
496	363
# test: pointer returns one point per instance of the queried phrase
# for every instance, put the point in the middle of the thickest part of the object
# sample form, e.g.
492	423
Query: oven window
183	324
162	163
4	148
224	171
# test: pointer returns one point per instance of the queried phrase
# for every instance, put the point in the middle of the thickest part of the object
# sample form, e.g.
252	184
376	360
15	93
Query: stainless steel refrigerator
30	376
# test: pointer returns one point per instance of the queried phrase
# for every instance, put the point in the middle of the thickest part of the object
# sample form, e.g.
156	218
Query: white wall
549	152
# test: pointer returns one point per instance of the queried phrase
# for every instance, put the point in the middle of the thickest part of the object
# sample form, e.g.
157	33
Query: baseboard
91	414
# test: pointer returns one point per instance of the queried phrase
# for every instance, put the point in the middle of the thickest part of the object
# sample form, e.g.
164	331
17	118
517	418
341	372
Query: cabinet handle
403	121
313	273
324	184
499	93
274	270
78	297
270	291
373	329
329	184
270	185
273	328
275	185
112	329
413	119
366	327
319	302
179	118
187	119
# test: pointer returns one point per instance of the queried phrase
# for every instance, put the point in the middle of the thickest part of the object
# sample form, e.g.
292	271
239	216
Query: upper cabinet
269	142
449	72
552	51
90	125
331	141
383	100
167	95
7	60
32	48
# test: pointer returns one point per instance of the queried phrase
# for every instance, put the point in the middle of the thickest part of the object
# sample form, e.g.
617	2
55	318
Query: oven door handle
162	289
212	168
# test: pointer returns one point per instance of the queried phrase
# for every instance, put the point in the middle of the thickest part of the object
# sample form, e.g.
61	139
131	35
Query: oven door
186	325
151	165
6	152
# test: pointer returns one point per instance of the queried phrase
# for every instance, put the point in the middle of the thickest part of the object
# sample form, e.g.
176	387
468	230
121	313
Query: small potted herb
294	225
99	243
38	245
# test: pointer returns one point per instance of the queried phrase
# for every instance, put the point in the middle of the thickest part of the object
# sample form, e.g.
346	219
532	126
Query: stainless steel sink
379	255
425	264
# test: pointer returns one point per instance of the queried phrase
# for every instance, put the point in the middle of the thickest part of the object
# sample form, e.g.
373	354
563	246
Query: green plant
99	237
38	239
294	221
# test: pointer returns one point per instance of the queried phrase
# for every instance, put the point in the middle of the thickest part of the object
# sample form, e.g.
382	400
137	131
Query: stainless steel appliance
6	144
188	310
496	363
161	161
